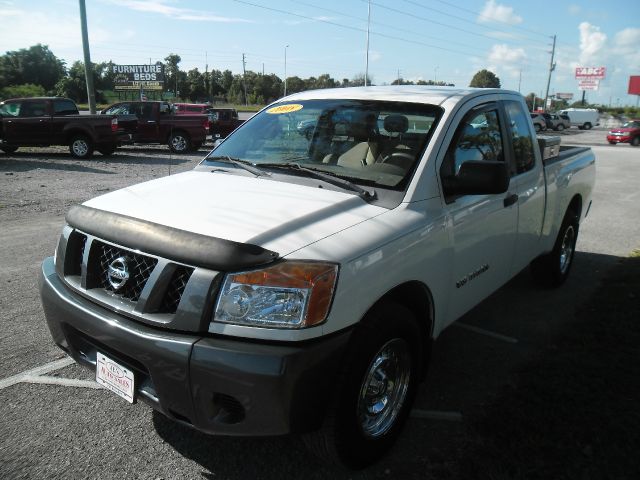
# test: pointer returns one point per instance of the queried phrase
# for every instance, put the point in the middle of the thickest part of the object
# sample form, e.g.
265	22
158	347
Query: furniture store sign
135	77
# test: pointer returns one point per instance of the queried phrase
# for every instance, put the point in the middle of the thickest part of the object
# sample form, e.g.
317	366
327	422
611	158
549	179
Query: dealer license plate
115	377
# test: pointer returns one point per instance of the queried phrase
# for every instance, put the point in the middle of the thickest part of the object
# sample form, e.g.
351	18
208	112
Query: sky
418	39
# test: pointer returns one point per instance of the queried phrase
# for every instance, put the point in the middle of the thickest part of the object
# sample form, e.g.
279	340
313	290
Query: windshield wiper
245	164
325	176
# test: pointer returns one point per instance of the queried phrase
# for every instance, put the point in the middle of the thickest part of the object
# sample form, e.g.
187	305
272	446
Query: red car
627	133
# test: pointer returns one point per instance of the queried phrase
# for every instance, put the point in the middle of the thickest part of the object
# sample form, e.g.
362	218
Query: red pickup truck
158	124
45	121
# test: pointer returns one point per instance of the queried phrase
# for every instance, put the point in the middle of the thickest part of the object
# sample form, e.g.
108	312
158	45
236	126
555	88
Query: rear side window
64	107
521	137
33	109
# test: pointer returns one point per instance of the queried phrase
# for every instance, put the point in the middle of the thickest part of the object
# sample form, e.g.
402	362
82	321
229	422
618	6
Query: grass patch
573	412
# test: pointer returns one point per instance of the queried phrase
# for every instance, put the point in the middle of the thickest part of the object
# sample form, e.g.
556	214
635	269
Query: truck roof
403	93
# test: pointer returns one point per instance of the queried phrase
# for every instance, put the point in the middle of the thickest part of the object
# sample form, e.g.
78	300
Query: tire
179	142
9	149
107	151
635	141
81	147
559	128
537	127
587	126
552	270
375	391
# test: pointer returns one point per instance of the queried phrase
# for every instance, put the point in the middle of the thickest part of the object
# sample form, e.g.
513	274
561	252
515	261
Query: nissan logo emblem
118	273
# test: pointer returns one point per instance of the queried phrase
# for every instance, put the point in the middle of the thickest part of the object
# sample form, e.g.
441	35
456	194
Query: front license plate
115	377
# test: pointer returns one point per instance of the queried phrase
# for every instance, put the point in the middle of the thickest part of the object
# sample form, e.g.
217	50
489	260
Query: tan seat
365	148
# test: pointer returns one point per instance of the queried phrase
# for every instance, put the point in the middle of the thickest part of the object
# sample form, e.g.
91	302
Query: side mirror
477	177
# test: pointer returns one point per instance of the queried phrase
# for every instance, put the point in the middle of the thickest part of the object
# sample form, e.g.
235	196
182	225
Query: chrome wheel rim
566	250
80	148
179	143
384	389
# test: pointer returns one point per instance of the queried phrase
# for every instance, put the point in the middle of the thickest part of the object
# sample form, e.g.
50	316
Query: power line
491	18
348	27
393	27
411	2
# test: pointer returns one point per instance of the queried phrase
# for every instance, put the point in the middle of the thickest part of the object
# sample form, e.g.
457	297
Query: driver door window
478	138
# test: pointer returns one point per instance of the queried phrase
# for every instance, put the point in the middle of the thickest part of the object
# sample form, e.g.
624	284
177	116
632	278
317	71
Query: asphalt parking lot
56	424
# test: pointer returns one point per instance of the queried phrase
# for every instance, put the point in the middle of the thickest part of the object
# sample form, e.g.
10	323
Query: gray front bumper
214	384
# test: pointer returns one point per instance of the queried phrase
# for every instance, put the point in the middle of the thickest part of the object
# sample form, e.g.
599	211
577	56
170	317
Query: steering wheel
399	159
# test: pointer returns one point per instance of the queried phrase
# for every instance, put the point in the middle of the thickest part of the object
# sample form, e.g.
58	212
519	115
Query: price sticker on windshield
290	107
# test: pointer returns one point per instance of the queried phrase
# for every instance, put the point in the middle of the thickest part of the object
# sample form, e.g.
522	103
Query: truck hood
278	216
623	130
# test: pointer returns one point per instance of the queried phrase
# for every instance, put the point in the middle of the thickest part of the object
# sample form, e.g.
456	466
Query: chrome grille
140	268
176	289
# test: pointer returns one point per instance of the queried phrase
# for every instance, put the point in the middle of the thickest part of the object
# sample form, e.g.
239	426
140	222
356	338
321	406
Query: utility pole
244	79
519	80
88	67
398	76
552	67
207	80
285	70
366	67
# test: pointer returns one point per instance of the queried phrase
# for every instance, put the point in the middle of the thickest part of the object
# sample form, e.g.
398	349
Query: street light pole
285	69
366	68
88	67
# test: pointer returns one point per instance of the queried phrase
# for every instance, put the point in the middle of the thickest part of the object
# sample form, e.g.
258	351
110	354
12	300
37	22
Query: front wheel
635	141
552	270
179	143
81	147
560	127
376	389
537	127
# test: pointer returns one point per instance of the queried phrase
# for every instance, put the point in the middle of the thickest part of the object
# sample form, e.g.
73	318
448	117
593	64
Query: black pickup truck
45	121
158	124
225	121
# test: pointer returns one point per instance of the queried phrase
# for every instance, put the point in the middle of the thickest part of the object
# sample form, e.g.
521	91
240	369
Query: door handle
510	200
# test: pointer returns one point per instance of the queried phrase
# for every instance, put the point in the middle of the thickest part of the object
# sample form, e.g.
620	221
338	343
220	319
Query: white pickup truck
294	282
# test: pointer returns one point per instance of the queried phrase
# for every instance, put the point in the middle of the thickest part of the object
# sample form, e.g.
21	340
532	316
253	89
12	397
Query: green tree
485	79
25	90
74	85
36	65
195	85
171	72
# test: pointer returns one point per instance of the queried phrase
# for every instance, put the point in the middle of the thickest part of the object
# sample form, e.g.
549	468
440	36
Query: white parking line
436	415
41	370
65	382
487	333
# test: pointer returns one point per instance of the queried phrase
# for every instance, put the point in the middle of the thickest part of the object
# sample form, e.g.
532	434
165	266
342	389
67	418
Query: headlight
286	295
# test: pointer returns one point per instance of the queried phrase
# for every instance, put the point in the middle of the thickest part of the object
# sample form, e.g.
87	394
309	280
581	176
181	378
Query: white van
583	118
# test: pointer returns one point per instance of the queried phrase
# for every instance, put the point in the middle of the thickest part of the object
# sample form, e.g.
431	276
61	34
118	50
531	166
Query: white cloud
626	44
494	12
505	55
592	44
574	9
160	7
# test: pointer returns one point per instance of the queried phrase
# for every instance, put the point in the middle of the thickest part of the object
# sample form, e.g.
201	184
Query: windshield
632	124
369	142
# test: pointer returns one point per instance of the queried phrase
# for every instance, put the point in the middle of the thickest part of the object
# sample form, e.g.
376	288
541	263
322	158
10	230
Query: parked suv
627	133
557	122
539	122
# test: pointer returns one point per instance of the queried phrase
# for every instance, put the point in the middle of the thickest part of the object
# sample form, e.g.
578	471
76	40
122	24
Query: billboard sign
589	84
136	77
594	73
564	96
634	85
